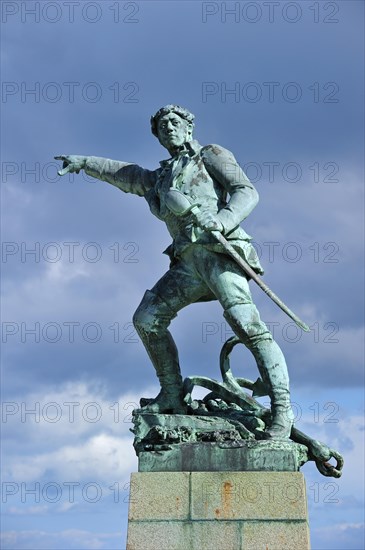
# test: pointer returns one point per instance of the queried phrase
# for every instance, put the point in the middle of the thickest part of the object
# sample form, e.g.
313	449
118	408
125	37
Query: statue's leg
246	323
159	306
231	288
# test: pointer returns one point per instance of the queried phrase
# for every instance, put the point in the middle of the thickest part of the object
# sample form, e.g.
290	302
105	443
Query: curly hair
181	111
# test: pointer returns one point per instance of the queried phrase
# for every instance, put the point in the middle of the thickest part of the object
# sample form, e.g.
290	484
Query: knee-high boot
164	356
274	373
246	323
151	320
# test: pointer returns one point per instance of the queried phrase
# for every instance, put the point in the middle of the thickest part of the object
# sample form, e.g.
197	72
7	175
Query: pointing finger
64	171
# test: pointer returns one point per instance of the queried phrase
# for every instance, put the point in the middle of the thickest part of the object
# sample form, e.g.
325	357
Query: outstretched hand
71	163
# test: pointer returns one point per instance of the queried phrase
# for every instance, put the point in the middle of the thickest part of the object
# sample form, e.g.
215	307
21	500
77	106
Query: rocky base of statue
218	442
176	443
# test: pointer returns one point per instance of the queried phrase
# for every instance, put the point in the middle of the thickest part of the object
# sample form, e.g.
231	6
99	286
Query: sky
280	84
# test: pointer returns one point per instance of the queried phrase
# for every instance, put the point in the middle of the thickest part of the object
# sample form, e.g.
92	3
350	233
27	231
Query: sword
180	205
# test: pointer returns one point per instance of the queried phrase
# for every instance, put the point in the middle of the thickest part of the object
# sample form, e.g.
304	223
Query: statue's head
172	125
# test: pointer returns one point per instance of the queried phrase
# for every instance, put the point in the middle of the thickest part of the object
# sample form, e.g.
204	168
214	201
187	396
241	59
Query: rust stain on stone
227	499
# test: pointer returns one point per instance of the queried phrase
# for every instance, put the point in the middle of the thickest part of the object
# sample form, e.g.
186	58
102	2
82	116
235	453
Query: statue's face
173	131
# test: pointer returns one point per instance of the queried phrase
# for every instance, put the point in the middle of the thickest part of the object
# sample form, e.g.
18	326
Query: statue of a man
200	270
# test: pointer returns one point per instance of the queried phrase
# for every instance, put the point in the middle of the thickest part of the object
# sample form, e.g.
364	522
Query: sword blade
248	269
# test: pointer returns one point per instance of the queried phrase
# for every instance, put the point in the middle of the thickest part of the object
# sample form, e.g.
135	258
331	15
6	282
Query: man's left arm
223	167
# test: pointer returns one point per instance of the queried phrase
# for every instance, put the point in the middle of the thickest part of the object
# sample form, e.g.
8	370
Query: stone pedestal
206	483
251	510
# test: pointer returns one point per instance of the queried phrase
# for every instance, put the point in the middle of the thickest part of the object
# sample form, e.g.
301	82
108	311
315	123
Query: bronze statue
221	197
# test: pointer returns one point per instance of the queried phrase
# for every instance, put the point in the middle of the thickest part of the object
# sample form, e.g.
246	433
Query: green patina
205	241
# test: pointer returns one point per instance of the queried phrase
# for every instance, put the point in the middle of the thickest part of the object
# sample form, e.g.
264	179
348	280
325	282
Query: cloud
339	536
61	540
101	457
30	510
74	432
